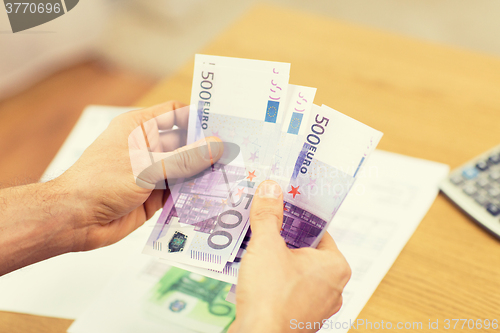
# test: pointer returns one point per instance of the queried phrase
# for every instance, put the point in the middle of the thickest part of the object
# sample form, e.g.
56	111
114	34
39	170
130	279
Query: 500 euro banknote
333	150
206	217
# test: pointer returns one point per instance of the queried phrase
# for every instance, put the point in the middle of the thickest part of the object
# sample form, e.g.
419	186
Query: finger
327	243
157	110
165	141
266	214
119	229
190	160
173	139
151	135
163	115
181	163
154	202
179	117
182	116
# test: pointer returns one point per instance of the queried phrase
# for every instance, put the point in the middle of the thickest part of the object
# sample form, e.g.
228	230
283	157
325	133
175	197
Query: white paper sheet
377	219
65	285
384	208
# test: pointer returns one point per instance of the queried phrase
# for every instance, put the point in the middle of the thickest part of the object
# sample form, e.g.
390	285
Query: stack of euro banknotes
271	130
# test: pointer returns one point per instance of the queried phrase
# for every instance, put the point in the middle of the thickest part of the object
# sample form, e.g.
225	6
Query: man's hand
107	193
110	199
279	288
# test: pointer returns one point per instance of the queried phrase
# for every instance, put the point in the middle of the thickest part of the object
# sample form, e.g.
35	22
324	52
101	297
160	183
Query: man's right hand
280	289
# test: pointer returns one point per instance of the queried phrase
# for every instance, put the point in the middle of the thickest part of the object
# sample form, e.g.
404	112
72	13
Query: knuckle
118	119
344	269
348	272
337	304
333	303
171	103
339	270
167	106
340	264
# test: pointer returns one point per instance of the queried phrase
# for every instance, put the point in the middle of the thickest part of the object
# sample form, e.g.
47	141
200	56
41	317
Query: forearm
35	224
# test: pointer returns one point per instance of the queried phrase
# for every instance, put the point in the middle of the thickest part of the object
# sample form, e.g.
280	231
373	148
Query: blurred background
113	51
154	38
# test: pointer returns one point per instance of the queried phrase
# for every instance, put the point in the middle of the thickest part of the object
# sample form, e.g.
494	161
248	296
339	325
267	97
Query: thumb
184	162
266	213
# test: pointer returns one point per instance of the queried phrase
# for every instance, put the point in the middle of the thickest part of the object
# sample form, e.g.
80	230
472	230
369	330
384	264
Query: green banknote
192	301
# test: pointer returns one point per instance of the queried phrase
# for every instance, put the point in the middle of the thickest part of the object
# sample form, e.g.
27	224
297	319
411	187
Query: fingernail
269	189
210	150
214	148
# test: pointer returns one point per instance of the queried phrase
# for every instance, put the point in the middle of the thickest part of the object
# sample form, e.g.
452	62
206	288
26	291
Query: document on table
377	220
64	286
386	204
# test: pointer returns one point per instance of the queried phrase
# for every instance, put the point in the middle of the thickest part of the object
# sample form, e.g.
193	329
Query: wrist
36	222
70	211
67	214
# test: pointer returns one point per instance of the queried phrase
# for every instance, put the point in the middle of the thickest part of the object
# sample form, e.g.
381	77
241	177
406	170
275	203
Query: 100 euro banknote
190	300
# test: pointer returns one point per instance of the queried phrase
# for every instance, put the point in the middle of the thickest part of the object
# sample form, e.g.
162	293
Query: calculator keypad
481	182
493	209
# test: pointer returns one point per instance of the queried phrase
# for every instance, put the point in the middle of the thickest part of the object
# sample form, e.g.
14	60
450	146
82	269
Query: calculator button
494	192
456	179
470	190
494	159
482	182
495	175
481	199
493	209
470	173
482	165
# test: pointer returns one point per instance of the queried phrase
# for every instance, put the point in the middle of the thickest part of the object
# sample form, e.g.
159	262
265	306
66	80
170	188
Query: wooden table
431	102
